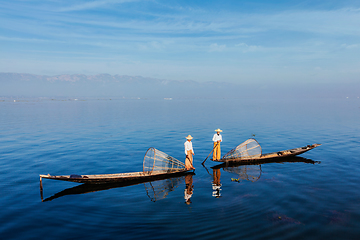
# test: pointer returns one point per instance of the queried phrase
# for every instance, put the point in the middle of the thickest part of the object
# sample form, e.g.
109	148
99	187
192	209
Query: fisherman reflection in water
216	186
188	188
189	151
217	139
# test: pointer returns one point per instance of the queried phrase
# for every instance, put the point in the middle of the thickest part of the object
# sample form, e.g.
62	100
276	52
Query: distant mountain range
122	86
106	85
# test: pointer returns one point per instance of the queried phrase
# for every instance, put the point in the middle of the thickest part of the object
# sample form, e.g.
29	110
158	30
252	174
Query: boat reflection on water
160	188
155	189
248	171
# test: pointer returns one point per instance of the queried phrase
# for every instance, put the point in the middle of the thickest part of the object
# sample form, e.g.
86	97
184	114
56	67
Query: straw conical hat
218	130
189	137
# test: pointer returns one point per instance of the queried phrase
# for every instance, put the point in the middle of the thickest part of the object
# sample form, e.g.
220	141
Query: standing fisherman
189	153
217	139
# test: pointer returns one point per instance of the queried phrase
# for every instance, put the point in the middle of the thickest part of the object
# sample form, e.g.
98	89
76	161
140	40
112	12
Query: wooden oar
207	170
209	153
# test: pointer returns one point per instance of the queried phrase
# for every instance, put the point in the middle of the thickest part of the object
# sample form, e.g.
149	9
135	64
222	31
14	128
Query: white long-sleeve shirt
188	146
217	137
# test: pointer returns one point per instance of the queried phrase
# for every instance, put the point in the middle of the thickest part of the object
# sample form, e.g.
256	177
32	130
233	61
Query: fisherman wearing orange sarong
217	138
189	151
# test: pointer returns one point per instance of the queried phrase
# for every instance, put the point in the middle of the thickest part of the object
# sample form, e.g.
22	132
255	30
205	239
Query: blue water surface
315	196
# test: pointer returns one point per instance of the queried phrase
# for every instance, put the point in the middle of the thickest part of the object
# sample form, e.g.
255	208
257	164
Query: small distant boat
250	150
156	165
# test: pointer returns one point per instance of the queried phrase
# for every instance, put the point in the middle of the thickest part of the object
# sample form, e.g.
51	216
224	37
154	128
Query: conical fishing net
157	161
247	150
160	189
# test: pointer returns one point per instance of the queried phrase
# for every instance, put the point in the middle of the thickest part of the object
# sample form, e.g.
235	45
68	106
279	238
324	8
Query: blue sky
232	41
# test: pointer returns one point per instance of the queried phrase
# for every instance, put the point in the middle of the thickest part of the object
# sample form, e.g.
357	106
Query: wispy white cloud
87	5
148	30
19	39
154	45
217	48
349	46
247	48
333	22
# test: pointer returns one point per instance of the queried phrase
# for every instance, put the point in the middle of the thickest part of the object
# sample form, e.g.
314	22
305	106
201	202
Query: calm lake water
315	196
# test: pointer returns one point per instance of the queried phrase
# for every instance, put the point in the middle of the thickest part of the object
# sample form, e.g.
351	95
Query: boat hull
115	178
264	157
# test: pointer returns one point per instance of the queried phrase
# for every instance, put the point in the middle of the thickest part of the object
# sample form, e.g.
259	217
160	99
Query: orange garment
188	188
217	151
189	160
216	176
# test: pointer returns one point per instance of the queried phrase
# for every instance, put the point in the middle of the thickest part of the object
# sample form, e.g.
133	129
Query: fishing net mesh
250	173
160	189
247	150
156	160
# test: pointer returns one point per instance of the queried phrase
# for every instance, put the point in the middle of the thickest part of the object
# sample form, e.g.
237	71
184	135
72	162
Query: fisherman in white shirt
189	151
217	138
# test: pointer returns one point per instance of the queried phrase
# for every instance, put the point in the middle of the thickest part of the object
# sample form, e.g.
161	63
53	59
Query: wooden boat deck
116	177
280	154
88	188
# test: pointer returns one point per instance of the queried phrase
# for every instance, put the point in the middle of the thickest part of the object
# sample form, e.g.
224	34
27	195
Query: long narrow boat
250	150
290	152
116	177
290	159
89	188
156	165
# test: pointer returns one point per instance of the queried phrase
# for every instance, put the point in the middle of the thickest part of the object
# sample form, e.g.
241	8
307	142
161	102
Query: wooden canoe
294	159
268	156
89	188
117	177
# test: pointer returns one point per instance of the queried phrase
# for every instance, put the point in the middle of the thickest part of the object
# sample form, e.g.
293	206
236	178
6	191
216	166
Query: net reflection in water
246	172
160	189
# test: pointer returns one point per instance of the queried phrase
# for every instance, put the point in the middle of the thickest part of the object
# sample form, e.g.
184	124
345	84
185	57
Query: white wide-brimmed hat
189	137
218	130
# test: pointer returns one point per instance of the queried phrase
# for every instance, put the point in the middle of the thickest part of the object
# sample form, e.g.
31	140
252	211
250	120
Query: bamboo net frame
247	150
156	160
